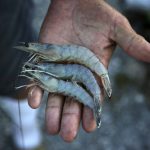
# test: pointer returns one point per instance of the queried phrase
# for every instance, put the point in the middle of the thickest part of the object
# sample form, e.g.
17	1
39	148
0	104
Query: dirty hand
97	26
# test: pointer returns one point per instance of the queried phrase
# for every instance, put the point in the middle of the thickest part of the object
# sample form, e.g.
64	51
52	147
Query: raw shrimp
74	72
54	85
71	53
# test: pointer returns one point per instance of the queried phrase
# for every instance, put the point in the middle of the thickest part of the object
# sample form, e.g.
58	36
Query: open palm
97	26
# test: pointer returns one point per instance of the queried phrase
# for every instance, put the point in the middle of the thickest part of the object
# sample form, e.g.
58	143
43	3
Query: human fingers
88	120
134	44
35	96
71	117
53	113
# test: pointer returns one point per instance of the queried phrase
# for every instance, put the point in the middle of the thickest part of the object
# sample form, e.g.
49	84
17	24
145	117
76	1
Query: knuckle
121	21
124	20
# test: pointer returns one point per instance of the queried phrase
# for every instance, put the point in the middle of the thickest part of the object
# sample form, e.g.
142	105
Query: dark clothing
15	26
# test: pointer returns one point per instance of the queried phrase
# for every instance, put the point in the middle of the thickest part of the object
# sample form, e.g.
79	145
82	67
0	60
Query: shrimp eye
26	44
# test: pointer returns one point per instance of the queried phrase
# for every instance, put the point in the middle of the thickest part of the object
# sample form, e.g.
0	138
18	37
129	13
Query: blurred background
126	117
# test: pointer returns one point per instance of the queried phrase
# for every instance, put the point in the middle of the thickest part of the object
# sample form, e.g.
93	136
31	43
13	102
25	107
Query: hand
97	26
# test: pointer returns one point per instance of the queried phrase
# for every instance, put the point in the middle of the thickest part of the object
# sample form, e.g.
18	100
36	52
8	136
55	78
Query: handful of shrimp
46	67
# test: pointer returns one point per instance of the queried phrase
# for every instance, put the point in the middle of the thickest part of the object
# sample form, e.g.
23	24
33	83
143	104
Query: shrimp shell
54	85
71	53
77	73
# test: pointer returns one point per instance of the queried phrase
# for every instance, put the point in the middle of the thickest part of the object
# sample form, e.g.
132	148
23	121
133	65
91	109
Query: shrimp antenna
22	75
26	85
40	71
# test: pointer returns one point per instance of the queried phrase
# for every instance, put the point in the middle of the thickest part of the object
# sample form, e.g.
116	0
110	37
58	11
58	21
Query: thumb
134	44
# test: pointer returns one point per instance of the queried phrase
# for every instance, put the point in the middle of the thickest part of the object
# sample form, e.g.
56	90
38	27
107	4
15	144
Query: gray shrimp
72	53
74	72
54	85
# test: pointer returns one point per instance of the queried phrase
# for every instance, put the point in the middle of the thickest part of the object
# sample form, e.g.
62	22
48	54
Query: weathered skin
66	88
71	53
74	72
95	25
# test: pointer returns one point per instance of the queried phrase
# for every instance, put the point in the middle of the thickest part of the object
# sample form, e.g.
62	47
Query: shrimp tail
97	111
107	85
